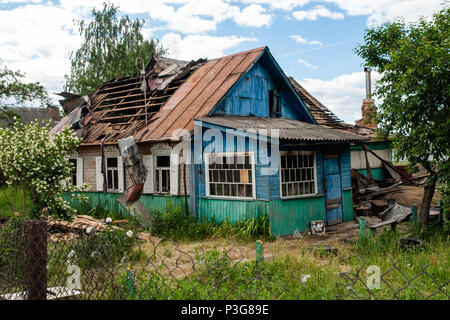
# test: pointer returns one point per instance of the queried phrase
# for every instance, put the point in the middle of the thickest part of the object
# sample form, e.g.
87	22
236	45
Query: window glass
230	175
297	174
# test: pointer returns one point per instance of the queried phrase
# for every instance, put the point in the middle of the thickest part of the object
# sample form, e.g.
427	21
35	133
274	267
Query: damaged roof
325	117
288	129
153	105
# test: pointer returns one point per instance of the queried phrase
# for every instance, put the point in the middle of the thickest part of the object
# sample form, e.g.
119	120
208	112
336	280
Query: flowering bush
36	162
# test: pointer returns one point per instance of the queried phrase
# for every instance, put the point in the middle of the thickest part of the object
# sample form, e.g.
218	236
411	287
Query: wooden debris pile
83	225
60	230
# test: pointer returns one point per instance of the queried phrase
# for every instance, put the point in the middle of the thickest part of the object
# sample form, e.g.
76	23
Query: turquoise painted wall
348	205
378	173
285	216
151	202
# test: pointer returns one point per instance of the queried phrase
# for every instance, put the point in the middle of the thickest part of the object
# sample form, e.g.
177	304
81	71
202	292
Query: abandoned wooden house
253	145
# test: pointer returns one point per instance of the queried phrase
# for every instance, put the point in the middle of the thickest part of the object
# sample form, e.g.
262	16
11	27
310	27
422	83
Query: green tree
14	92
36	163
110	47
414	62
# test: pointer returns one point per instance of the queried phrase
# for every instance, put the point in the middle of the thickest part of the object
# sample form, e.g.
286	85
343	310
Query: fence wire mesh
41	259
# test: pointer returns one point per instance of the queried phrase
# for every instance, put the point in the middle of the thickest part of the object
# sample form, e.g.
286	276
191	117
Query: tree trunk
428	193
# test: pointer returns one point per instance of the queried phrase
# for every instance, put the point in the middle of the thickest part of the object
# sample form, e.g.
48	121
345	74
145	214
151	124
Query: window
112	173
274	103
73	176
298	174
162	174
230	175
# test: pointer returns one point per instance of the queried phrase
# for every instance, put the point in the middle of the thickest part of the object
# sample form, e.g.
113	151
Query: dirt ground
412	196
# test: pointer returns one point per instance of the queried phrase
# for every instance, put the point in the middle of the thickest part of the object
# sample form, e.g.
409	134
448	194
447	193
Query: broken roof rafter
121	107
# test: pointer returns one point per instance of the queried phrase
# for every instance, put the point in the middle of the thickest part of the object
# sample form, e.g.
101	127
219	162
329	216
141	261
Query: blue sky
312	40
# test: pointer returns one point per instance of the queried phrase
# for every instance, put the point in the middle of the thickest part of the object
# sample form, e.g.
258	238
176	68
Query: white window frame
228	154
113	169
79	171
313	153
158	173
70	180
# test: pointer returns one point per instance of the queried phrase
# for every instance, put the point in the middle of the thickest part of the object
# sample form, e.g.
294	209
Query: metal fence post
36	251
414	213
259	251
362	227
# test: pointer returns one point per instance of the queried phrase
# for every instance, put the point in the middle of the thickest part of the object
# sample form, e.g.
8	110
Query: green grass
5	206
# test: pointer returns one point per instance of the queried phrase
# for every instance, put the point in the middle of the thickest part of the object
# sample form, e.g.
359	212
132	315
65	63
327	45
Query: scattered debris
60	230
396	212
407	243
296	234
136	209
318	227
323	249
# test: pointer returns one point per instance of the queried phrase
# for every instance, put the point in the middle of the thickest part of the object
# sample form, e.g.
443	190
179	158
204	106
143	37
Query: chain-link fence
45	260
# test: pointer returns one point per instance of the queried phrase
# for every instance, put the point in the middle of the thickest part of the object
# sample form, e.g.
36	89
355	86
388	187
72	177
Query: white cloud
198	16
307	64
300	39
286	5
37	40
317	12
254	16
378	11
343	95
199	46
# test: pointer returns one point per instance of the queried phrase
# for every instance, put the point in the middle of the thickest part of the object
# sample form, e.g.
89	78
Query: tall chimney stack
368	109
367	70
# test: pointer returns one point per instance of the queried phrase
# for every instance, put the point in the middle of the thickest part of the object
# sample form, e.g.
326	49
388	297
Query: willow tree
414	63
110	46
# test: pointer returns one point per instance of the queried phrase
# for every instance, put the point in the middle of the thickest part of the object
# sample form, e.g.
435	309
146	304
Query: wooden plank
381	224
133	107
331	201
135	95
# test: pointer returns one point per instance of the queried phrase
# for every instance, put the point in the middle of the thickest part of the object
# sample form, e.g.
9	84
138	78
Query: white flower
305	277
71	254
89	230
108	220
129	233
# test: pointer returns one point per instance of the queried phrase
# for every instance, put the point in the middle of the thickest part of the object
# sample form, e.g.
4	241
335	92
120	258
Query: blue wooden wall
250	96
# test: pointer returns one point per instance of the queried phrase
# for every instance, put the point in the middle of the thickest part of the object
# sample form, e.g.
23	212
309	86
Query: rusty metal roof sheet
288	128
198	94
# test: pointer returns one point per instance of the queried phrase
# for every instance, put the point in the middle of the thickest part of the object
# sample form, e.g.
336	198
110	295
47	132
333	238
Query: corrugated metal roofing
288	128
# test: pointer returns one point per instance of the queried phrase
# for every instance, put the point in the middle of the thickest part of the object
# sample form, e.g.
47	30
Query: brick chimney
368	109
